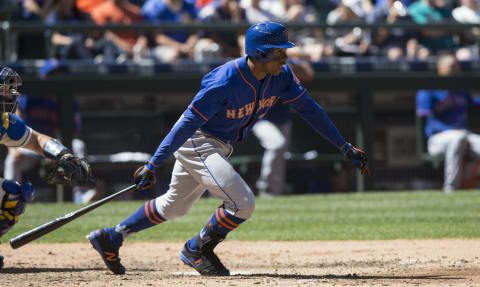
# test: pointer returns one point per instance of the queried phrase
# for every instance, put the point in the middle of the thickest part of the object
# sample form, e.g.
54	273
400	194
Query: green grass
355	216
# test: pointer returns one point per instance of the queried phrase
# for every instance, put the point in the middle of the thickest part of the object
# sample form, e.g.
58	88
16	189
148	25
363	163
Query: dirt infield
313	263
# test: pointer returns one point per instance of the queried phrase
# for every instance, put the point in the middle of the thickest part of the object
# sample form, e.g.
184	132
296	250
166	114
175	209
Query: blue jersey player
15	133
445	113
231	99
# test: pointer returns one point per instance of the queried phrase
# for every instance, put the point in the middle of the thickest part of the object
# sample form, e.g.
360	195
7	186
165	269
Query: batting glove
357	156
144	178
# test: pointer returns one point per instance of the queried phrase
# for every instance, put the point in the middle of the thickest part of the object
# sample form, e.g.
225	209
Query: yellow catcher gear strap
5	123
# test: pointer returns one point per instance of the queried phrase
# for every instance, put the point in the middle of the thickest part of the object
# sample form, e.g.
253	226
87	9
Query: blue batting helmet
9	83
261	38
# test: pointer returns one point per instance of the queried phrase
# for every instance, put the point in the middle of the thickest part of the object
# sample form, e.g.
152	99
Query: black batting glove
144	178
357	156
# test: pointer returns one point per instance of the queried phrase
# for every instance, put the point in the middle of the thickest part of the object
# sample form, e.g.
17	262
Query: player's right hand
144	178
357	156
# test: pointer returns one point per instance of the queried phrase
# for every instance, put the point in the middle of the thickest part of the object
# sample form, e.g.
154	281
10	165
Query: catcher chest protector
261	38
9	81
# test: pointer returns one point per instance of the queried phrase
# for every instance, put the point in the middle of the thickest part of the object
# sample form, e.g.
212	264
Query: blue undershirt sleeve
424	103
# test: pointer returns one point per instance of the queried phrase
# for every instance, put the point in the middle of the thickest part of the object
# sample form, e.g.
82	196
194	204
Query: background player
273	131
231	99
445	113
14	133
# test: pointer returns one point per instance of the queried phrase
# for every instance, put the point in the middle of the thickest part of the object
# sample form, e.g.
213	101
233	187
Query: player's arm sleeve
202	108
191	10
424	104
18	133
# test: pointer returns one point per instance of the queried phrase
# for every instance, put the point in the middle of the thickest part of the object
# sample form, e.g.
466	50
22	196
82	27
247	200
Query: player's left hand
71	170
357	156
144	178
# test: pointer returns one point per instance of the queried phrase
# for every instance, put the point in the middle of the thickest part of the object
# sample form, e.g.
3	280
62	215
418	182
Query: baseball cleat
98	239
207	263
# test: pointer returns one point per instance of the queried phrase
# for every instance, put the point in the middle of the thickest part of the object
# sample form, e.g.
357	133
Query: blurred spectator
87	6
468	13
30	45
42	114
445	113
432	41
346	41
68	45
310	42
118	44
32	9
394	43
230	43
385	3
172	45
256	14
297	11
199	4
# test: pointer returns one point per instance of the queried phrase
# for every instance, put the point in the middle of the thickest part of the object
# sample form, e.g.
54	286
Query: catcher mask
9	83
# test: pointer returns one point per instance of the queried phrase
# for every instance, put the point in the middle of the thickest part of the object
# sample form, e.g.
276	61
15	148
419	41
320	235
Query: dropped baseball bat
50	226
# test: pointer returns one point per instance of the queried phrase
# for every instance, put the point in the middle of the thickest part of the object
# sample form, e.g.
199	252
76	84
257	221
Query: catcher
69	170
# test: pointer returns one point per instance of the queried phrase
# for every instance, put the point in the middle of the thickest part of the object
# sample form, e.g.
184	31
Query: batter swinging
231	99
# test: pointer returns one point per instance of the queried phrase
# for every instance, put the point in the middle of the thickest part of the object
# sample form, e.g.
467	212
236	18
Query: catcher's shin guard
204	260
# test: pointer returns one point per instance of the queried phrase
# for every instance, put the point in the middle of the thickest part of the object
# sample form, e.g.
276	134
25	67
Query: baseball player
14	133
41	112
231	99
273	133
445	113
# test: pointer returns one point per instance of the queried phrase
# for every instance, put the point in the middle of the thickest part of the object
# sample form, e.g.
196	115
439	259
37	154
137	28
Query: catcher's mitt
71	170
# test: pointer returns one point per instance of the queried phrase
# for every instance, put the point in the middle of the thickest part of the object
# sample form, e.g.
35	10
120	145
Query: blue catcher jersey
14	132
231	100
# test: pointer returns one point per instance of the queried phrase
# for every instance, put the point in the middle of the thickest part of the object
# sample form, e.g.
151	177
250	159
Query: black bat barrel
50	226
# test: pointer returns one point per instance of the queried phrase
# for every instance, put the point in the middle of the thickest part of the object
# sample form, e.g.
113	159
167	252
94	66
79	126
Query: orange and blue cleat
99	241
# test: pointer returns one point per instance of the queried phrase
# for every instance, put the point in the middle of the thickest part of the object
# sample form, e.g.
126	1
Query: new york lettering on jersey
223	104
